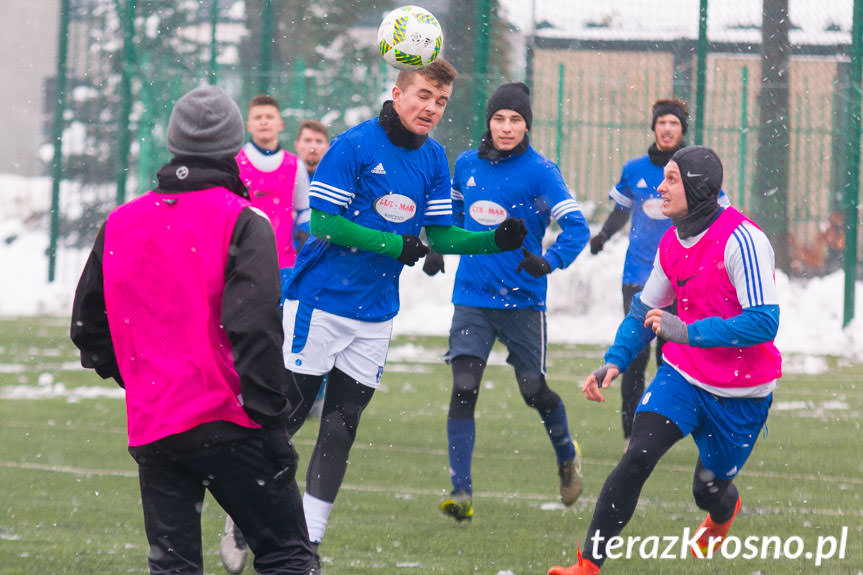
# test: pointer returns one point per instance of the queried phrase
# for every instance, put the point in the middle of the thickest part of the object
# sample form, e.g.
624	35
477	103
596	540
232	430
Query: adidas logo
379	169
641	183
471	182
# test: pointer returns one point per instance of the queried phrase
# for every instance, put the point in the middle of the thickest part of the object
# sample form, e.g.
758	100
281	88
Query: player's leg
725	440
632	380
653	434
467	373
344	403
470	341
668	412
302	393
171	497
270	513
359	364
523	332
313	338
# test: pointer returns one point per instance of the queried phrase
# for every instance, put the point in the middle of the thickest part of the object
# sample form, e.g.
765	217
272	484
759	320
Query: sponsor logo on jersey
683	282
641	183
379	169
652	207
395	208
261	193
487	213
470	182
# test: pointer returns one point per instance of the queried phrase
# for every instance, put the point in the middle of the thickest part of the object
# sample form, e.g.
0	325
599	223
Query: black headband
669	108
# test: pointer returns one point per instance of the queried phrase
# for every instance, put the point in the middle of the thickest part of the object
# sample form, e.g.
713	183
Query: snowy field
584	303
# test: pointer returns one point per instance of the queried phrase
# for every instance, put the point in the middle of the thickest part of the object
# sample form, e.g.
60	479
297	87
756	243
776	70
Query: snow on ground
584	303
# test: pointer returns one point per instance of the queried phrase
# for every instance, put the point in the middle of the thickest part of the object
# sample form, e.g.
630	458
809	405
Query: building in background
28	58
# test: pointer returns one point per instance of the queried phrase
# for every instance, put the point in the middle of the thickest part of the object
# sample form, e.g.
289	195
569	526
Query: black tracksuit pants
238	473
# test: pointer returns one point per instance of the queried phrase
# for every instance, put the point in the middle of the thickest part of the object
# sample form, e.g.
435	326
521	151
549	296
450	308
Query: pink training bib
164	274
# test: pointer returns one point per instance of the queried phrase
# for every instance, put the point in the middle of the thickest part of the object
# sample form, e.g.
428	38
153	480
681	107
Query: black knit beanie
669	108
511	96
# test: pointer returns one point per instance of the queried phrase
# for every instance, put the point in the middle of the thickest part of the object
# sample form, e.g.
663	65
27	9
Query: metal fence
594	76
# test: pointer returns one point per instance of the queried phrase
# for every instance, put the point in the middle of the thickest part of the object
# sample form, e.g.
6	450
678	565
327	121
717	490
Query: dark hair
314	126
264	100
440	73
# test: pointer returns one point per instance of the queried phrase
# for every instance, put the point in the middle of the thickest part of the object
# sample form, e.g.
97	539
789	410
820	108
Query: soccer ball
410	38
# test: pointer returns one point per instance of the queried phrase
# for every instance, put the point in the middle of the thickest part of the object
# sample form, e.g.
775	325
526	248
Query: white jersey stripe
754	270
619	198
333	189
338	202
563	208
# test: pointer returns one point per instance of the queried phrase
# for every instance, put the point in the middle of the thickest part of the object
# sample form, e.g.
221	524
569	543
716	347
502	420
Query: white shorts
316	341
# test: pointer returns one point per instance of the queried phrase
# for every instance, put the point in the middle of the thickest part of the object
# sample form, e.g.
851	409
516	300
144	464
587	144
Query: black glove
535	265
509	234
597	242
278	441
412	250
433	263
300	237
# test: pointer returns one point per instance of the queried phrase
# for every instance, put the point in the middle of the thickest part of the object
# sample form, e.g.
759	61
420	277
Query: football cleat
713	534
233	548
582	567
458	504
571	481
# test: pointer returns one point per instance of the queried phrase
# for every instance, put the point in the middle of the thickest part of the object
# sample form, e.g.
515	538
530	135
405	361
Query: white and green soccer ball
410	38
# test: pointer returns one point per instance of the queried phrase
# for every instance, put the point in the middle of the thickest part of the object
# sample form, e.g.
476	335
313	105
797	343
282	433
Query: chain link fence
786	131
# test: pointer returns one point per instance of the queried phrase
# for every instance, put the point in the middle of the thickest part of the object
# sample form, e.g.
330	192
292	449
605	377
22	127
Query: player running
636	193
379	184
503	296
719	363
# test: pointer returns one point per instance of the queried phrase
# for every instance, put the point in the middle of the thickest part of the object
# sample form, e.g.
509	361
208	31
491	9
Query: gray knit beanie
205	122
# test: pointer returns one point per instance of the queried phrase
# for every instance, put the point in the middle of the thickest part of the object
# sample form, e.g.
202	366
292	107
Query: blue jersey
374	183
525	186
637	191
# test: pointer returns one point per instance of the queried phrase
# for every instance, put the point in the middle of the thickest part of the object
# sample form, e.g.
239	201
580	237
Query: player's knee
531	386
639	461
465	384
536	393
706	489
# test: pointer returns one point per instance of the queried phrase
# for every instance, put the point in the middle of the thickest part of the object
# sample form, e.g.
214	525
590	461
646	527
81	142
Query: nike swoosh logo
691	175
259	194
681	283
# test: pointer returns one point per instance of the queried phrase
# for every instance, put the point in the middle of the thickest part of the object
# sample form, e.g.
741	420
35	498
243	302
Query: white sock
317	515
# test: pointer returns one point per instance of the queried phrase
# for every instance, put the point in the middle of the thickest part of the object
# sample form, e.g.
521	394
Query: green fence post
701	73
266	47
124	137
483	24
744	131
852	185
558	142
214	20
57	136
